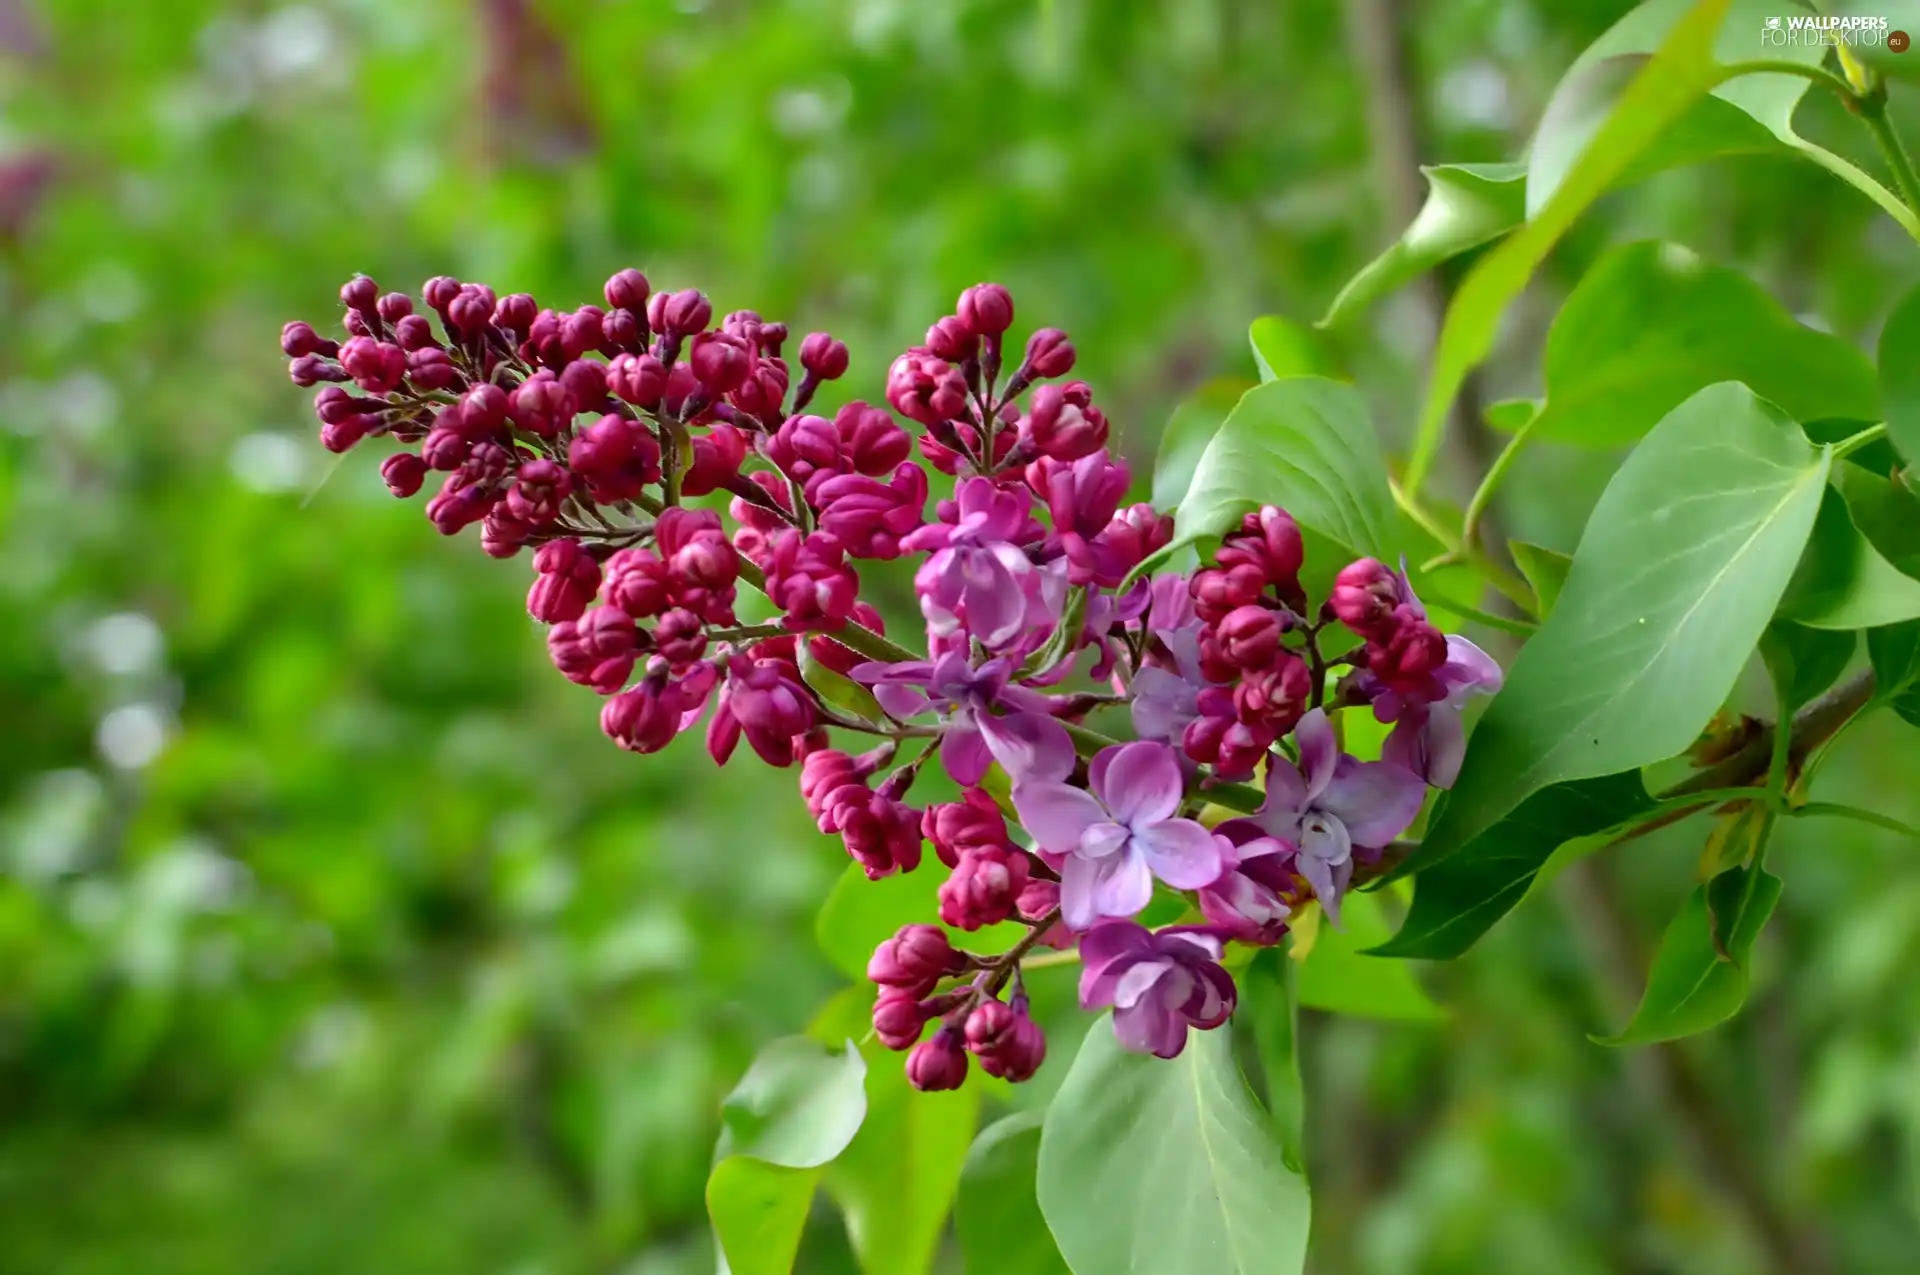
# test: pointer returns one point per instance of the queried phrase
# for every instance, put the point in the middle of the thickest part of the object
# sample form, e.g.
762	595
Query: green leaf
1460	898
1886	513
896	1181
1753	113
1510	415
1305	444
1545	569
1467	205
860	914
1282	348
1185	439
1652	324
1804	662
1895	652
1678	572
1694	985
797	1108
1344	974
1900	375
1167	1166
758	1212
838	689
1680	72
997	1216
1842	581
1267	1006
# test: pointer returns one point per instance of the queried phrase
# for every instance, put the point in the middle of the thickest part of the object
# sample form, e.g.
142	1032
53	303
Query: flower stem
1854	442
1873	109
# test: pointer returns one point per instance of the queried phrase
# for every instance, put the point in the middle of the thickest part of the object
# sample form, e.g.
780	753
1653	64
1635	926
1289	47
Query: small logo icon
1773	24
1898	41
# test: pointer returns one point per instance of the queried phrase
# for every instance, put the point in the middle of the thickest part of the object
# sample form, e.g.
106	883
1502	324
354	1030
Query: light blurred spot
194	876
1817	322
292	40
656	940
47	834
798	112
269	462
124	644
131	736
1475	95
330	1036
110	293
818	182
95	904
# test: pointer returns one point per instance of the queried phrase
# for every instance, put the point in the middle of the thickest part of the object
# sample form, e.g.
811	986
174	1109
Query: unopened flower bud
680	637
823	356
440	291
636	581
1249	636
516	312
679	314
566	579
360	293
403	473
414	333
1364	596
297	339
915	959
952	340
986	309
394	306
720	362
1049	354
898	1019
1063	429
937	1063
983	887
627	290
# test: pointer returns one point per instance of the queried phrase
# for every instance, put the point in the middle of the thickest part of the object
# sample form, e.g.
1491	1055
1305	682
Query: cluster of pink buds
656	462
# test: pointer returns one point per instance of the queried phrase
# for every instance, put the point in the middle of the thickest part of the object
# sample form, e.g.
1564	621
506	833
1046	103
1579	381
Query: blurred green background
334	936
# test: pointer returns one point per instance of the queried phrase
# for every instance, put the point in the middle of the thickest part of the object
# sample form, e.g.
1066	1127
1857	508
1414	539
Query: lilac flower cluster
586	436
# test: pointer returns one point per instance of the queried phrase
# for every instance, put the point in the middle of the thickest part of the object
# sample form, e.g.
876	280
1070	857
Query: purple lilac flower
1428	737
1159	984
1027	742
1332	803
1253	898
1110	840
979	578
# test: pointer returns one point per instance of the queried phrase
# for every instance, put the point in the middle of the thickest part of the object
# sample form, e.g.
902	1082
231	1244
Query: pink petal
1056	815
1139	782
1319	751
1180	852
964	755
1029	747
1122	885
1100	947
1377	800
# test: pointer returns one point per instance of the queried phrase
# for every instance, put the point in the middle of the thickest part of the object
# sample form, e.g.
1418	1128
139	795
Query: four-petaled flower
1111	839
1028	743
1159	984
1428	737
1331	803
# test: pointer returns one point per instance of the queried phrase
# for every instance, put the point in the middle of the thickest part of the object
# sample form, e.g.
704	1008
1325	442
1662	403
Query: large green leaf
1467	205
1306	444
1268	1013
1885	511
1678	572
1677	76
1697	980
1651	324
798	1107
1752	113
1545	569
997	1216
1168	1166
1282	348
1804	662
1339	975
1460	898
895	1182
1895	652
1900	375
860	914
1843	582
1185	439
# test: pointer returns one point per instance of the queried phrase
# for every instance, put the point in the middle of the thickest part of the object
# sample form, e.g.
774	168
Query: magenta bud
986	309
431	369
1219	590
515	312
1249	636
483	409
395	306
1049	354
414	332
644	719
639	379
470	312
627	290
311	369
338	436
915	959
898	1019
1364	596
440	291
538	405
984	887
597	650
821	355
375	366
621	330
360	293
1268	539
681	637
720	362
403	473
679	314
637	583
1411	653
939	1062
1062	427
445	448
298	339
565	580
1275	697
952	340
